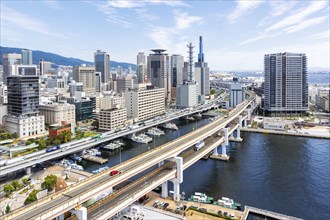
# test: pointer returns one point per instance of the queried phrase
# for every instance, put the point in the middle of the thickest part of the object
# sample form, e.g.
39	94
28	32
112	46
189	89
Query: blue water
289	175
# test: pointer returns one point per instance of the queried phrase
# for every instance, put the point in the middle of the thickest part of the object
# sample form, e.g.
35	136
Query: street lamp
120	154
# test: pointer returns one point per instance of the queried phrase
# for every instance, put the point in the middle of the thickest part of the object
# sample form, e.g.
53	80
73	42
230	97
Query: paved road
86	143
130	168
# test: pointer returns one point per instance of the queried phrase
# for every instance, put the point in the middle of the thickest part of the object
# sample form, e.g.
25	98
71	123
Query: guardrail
175	151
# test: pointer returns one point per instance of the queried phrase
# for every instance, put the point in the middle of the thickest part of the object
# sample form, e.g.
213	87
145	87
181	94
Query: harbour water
285	174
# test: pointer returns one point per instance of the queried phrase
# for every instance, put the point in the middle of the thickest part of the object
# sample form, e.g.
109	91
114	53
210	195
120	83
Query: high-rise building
141	67
102	64
144	103
186	92
86	75
186	95
236	94
98	82
177	65
202	73
75	87
286	85
110	119
159	73
45	67
141	58
27	57
23	106
23	95
7	62
124	84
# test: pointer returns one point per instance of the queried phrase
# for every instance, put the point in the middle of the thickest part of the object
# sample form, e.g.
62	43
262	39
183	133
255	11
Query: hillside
58	59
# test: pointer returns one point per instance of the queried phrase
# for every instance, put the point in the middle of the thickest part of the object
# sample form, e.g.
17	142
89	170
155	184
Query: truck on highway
96	136
199	145
53	148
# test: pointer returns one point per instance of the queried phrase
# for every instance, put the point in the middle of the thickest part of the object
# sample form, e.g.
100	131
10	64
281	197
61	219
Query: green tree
7	209
8	189
32	197
42	144
49	182
16	184
25	181
95	124
57	141
14	136
212	92
30	141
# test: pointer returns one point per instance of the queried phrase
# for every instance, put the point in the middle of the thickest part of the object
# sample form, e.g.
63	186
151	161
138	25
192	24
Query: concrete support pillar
60	217
245	123
165	190
226	136
176	189
239	127
215	151
249	111
81	213
223	150
179	177
28	170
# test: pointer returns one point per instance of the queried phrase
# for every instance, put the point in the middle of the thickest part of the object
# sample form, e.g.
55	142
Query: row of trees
14	186
4	135
63	137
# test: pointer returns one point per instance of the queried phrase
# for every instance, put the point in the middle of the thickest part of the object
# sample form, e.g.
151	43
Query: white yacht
171	126
111	146
141	138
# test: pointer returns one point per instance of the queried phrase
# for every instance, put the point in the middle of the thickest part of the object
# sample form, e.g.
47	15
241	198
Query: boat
111	146
92	152
155	132
171	126
201	197
141	138
118	142
198	116
75	157
76	167
100	169
189	118
227	203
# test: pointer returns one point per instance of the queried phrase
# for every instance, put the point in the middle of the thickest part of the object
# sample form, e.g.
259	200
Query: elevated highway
86	143
67	199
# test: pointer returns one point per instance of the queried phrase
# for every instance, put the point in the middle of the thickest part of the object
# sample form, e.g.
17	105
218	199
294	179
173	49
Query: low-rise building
110	119
25	126
273	124
144	103
56	113
56	130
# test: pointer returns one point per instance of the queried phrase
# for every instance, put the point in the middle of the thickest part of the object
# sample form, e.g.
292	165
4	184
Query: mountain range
56	59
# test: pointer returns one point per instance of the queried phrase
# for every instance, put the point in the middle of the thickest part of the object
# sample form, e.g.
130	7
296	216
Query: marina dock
219	157
94	159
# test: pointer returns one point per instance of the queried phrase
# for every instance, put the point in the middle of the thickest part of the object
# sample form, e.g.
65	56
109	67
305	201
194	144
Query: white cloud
110	9
293	23
52	4
242	8
280	8
18	20
174	37
305	24
299	16
321	35
184	21
112	15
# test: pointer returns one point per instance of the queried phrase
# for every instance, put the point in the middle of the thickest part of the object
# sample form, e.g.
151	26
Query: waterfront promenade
325	133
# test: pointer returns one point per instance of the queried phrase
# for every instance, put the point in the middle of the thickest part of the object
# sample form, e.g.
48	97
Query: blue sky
236	34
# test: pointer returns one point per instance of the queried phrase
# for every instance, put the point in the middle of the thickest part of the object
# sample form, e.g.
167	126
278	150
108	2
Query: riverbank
318	132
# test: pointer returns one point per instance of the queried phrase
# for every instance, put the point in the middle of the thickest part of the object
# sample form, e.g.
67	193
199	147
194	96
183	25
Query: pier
94	159
266	131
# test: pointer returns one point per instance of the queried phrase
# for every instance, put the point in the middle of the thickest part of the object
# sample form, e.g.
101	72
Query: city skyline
236	34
